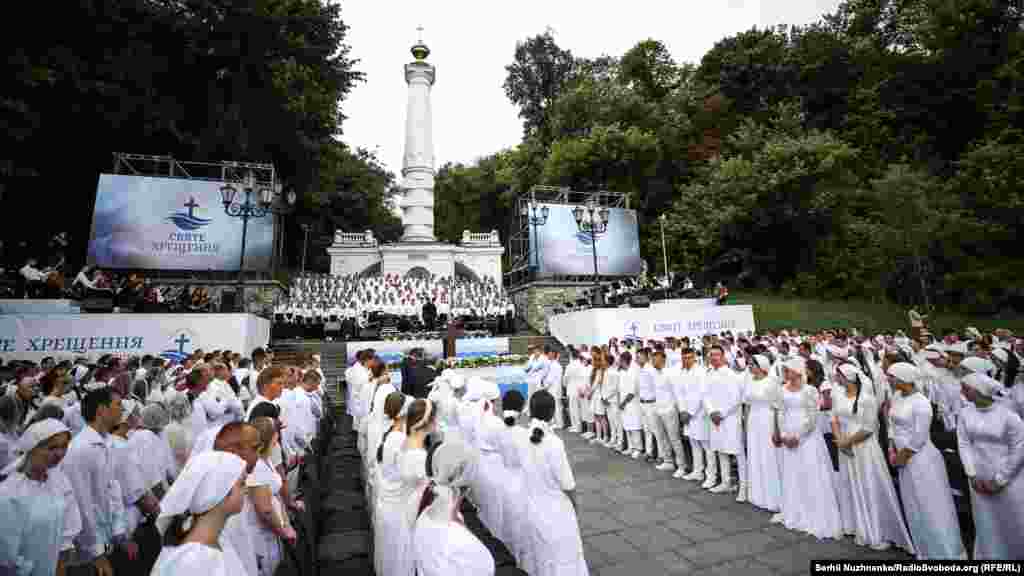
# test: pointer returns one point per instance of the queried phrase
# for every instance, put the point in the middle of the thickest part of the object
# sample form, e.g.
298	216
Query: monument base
478	256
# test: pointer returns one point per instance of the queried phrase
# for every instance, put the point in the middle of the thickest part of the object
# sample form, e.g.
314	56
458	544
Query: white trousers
557	422
636	440
653	430
697	447
669	421
574	410
615	422
726	467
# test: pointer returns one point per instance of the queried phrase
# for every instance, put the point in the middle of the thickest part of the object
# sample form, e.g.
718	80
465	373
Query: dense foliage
207	80
876	153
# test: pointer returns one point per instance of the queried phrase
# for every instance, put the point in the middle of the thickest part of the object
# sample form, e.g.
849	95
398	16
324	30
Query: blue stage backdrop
564	250
172	224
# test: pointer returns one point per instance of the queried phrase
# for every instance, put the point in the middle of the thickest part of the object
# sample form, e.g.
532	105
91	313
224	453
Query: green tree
537	75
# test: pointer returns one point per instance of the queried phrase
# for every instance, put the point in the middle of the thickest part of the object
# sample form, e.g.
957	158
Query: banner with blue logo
559	247
172	224
170	336
598	325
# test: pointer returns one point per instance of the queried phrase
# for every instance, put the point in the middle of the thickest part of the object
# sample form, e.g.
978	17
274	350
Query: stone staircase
333	362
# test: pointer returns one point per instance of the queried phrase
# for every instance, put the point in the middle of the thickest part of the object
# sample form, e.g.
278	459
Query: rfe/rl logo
188	221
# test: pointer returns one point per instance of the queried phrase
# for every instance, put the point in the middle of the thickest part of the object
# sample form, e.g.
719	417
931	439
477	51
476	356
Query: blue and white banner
598	325
480	347
565	250
171	336
392	351
145	222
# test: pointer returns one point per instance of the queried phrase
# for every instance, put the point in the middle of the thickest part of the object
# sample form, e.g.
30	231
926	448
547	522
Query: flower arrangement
482	361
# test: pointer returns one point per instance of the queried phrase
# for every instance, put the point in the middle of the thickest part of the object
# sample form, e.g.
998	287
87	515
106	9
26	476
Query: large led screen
560	248
145	222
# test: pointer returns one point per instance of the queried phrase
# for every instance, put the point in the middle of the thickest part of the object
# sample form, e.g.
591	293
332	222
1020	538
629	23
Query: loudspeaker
98	305
639	302
227	302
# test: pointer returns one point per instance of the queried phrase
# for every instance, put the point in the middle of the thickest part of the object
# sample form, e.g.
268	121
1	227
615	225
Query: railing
480	238
349	238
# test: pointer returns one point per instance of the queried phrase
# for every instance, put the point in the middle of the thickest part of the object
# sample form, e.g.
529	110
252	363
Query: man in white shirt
722	403
552	382
646	393
666	420
535	370
690	398
89	467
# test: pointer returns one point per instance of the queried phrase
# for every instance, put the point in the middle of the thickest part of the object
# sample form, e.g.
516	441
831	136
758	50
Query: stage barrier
40	306
171	336
598	325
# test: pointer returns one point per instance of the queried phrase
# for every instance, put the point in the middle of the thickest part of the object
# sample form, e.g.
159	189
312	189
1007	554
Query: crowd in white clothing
425	456
823	428
148	466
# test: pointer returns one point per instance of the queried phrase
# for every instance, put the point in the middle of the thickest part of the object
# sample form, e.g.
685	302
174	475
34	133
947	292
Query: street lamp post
596	223
664	251
256	204
305	241
536	221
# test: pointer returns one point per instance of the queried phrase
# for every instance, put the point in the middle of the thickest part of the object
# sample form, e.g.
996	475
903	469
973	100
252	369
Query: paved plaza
636	521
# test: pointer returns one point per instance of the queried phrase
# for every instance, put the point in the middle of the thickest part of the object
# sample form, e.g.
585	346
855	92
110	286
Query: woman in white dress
40	511
412	462
392	540
487	471
991	438
762	392
513	444
210	489
867	498
924	484
586	397
268	522
554	534
442	545
598	376
178	432
808	497
610	396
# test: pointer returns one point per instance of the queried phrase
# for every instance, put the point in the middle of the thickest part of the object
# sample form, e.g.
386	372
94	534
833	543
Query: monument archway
418	273
371	270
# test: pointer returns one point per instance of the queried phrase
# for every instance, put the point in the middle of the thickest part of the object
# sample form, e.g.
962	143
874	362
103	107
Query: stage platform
172	336
596	326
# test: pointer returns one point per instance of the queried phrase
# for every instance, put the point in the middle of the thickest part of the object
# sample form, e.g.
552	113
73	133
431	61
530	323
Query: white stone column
418	162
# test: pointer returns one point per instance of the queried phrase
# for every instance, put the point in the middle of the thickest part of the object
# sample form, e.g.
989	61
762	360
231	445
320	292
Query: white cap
982	384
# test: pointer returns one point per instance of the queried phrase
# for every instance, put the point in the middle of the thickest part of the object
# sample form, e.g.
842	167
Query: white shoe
637	455
595	440
665	466
777	518
722	488
680	473
741	495
588	435
574	430
709	482
695	476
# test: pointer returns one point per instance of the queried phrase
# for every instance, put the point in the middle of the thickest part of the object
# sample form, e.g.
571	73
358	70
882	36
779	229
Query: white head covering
449	463
128	407
405	406
762	362
933	354
1001	354
154	417
33	436
958	348
481	389
978	365
457	381
904	372
838	352
204	483
982	384
796	364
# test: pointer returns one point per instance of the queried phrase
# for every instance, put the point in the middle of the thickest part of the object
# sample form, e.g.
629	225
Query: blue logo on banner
633	329
178	353
188	220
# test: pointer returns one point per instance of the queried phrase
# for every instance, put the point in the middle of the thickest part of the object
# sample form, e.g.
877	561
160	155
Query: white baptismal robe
448	548
193	558
723	390
48	520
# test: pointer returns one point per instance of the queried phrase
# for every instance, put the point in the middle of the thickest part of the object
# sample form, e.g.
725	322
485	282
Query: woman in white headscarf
991	439
210	489
158	462
442	545
555	546
267	520
867	498
178	432
392	539
513	443
808	497
41	516
487	470
762	392
924	483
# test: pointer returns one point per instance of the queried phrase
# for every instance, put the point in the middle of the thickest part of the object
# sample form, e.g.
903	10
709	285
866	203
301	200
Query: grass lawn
774	312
